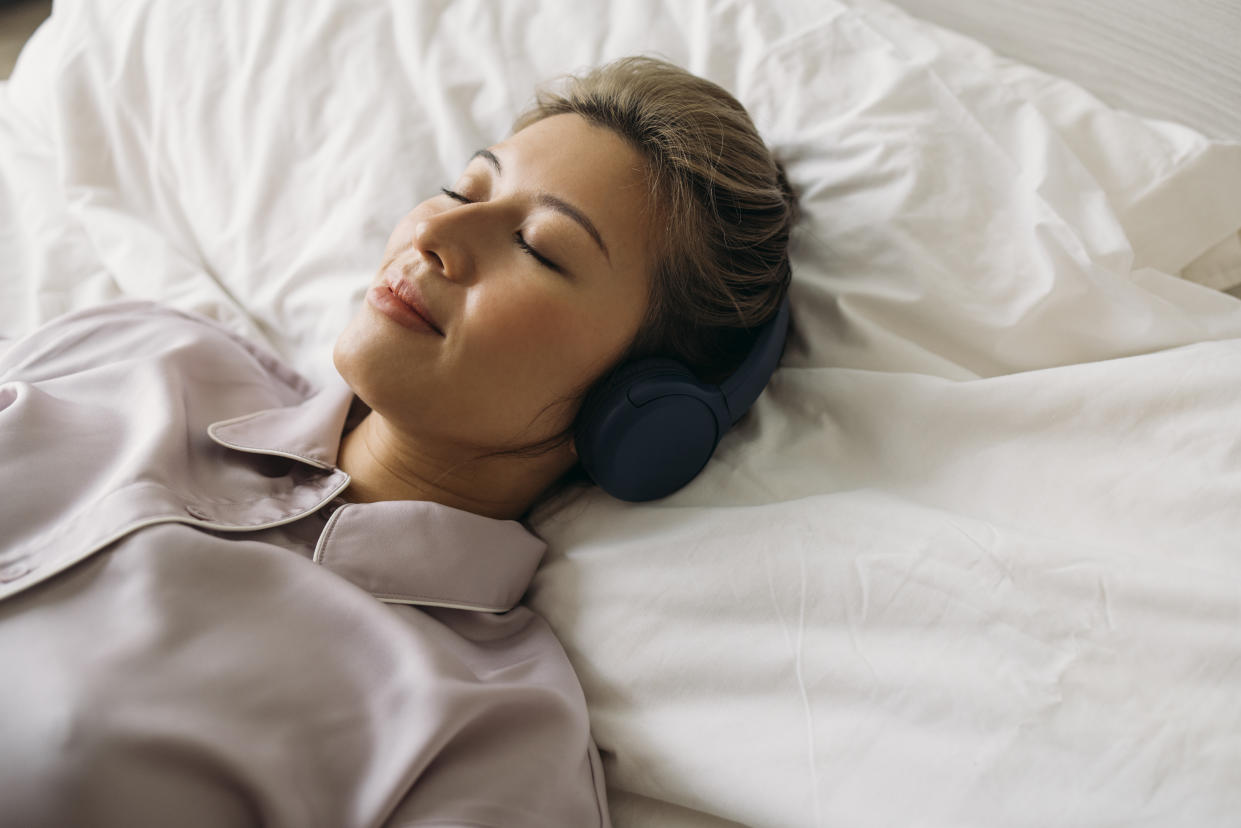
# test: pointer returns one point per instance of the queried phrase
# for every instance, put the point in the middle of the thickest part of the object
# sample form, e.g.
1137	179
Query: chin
365	362
349	350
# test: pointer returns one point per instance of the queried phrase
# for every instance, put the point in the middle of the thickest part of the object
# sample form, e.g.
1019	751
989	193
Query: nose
447	240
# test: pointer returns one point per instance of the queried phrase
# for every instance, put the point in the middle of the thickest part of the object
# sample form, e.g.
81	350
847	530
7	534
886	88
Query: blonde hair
720	203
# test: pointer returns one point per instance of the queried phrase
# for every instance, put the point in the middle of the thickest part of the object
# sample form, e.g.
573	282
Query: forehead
592	168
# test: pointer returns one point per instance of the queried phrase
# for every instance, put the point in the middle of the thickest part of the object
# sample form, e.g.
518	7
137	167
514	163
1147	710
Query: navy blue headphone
654	425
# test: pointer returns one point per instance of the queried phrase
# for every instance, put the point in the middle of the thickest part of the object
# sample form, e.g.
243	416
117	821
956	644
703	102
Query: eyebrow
552	202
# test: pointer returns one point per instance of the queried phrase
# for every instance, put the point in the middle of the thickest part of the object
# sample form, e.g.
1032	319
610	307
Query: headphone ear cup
649	430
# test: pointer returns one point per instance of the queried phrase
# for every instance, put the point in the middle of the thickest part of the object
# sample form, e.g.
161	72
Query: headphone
654	426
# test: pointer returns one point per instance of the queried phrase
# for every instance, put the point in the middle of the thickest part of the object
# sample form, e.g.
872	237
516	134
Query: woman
170	662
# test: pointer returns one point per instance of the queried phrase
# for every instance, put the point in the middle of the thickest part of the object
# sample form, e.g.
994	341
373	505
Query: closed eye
543	260
517	237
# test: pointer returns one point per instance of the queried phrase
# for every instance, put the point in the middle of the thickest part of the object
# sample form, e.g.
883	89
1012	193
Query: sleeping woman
230	599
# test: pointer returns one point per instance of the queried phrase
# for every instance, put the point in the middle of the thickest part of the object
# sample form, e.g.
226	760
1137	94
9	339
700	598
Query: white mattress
973	559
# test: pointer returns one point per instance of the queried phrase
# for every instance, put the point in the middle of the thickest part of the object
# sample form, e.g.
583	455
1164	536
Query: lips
408	294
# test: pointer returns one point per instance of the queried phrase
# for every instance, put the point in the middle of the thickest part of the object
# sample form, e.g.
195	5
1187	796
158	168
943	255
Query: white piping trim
323	533
55	567
252	450
207	524
318	558
418	602
232	527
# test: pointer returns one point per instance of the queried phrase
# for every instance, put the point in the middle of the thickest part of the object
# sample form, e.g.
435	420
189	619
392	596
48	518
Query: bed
973	559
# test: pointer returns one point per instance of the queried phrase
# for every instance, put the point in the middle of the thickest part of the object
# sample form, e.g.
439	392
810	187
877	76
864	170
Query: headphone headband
744	385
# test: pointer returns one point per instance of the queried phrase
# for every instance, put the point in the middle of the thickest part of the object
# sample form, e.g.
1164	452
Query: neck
385	464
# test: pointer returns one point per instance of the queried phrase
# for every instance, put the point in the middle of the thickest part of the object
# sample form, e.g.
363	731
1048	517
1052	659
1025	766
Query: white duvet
974	559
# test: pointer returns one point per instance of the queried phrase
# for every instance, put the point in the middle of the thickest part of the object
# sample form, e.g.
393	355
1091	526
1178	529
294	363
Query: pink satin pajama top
196	631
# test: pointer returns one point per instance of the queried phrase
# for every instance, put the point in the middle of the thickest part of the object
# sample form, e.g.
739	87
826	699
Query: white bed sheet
1174	60
973	559
1171	60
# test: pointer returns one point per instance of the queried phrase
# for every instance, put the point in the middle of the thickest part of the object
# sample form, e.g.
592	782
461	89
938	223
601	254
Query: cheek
559	343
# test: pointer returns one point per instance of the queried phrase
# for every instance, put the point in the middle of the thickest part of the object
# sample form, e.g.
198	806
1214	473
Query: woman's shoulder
128	330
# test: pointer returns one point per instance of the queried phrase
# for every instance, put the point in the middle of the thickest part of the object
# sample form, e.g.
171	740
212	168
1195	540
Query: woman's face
532	272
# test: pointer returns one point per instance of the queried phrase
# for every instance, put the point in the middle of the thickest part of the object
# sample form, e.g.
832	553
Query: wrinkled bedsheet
974	559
